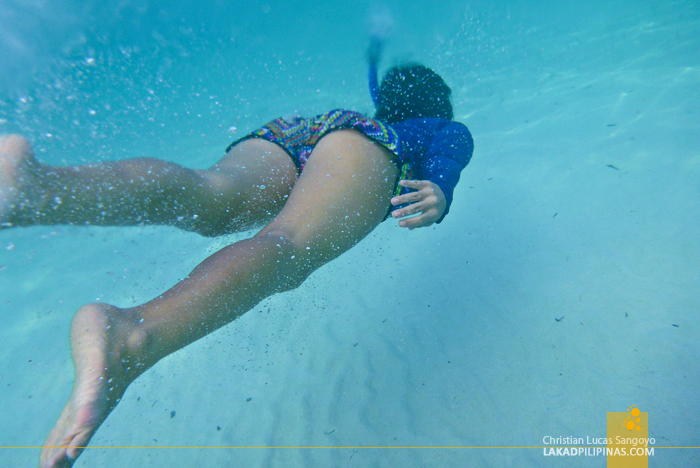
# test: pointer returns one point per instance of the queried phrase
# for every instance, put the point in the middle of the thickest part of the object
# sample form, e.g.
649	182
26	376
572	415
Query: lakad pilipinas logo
627	444
628	439
634	420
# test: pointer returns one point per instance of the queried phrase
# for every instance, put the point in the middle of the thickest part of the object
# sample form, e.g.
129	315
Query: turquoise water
446	336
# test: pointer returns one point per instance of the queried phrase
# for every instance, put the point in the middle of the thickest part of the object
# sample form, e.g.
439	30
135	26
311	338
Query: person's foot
16	159
99	336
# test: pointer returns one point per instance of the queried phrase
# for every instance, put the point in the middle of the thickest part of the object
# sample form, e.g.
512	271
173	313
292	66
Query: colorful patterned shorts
298	136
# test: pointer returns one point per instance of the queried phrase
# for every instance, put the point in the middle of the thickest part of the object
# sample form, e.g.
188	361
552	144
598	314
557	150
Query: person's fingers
407	198
414	184
423	200
411	209
423	220
424	190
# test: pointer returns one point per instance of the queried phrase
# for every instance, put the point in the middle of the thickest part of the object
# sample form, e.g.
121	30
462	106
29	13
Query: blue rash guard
437	150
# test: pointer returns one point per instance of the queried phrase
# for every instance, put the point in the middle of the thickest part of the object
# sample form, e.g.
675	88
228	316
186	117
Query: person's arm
448	153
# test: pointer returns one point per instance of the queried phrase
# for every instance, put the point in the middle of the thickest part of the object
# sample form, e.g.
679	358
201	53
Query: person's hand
428	200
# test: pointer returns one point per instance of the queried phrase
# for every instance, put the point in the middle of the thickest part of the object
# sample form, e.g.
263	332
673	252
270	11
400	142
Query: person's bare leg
16	161
246	188
342	195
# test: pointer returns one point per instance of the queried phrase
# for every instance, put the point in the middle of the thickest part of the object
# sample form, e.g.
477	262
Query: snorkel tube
374	52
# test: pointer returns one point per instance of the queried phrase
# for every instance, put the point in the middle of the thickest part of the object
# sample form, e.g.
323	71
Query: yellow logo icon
628	444
633	421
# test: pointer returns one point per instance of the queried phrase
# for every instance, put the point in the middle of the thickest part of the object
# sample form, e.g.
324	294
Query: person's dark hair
411	92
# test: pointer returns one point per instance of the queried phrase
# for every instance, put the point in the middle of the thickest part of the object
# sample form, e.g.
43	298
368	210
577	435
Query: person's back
435	149
416	102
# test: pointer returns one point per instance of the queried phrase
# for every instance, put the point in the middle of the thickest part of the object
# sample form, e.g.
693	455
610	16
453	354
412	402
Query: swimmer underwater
317	186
